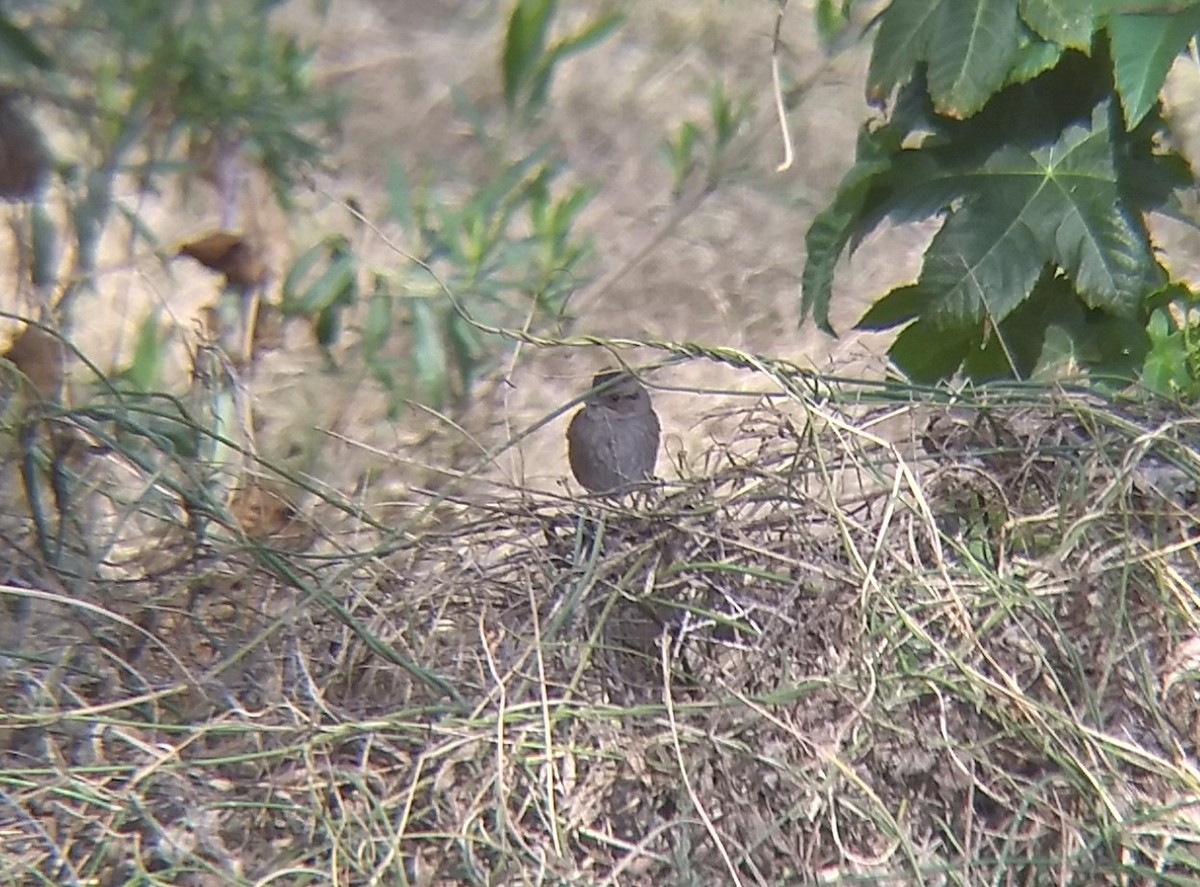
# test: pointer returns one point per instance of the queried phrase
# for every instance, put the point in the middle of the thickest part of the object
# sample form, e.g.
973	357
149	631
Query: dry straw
885	637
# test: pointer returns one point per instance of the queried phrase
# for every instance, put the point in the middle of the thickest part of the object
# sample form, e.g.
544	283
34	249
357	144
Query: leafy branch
1033	129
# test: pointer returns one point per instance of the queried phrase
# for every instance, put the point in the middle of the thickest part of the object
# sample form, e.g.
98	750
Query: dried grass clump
889	643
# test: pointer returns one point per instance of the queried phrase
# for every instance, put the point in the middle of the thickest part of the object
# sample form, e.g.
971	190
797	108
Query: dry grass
881	640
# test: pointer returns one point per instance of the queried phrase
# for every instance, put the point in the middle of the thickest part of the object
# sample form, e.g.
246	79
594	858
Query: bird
612	442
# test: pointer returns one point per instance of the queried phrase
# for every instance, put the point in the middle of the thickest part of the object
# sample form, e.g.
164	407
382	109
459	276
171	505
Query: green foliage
704	145
155	91
320	285
1172	362
1033	128
147	90
171	76
144	373
144	97
529	62
506	254
833	18
484	253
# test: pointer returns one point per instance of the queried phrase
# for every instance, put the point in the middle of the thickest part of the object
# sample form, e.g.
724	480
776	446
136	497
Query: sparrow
612	442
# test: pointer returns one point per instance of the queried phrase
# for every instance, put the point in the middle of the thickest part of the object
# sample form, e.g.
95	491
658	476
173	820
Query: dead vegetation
881	641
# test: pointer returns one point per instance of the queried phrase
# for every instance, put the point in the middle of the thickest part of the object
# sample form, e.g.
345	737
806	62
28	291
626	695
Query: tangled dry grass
885	638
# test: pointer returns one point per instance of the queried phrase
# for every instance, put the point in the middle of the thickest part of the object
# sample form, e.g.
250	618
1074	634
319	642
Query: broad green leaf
1102	245
971	51
982	265
1165	370
1143	49
904	35
1033	58
901	305
1173	293
1024	207
926	354
1013	348
828	235
1103	344
832	229
1160	327
1110	348
1119	7
1068	25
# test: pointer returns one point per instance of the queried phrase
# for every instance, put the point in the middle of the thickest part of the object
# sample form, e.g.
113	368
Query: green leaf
904	35
89	215
377	326
971	52
926	354
428	355
43	242
524	44
1014	347
1143	49
1161	326
1099	242
1022	207
144	373
833	227
1165	369
400	203
336	286
1068	25
1120	7
15	41
833	17
588	36
981	265
1100	343
466	348
376	333
328	326
289	296
1033	58
901	305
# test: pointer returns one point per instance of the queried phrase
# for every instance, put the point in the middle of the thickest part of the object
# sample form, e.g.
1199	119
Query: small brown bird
612	443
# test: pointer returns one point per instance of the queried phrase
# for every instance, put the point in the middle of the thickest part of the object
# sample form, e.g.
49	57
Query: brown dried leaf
40	356
24	161
231	255
267	516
